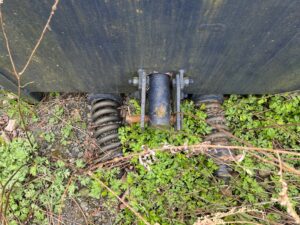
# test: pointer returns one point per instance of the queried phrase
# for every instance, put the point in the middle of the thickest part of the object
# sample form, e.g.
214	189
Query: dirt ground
63	131
81	145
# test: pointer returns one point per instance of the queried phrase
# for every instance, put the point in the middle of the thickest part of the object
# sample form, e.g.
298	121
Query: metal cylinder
159	99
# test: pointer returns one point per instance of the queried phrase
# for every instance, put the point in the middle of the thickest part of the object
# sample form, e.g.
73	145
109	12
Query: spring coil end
106	118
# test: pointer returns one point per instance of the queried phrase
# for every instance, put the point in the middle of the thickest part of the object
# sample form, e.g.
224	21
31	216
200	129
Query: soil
80	145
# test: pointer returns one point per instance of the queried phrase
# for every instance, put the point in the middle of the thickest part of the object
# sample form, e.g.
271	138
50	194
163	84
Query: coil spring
215	116
106	118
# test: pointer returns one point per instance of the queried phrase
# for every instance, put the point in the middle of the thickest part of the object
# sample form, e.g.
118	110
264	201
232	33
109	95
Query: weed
176	189
57	113
66	133
28	183
176	186
49	137
164	188
9	103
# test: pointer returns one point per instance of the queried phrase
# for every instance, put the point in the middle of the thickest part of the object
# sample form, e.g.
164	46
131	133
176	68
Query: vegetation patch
41	178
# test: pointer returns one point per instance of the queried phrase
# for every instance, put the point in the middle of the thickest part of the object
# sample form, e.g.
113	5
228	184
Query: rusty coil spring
106	118
216	119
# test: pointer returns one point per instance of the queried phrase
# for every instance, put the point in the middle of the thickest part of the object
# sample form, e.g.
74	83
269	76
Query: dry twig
121	200
17	74
195	149
216	218
53	9
283	195
81	210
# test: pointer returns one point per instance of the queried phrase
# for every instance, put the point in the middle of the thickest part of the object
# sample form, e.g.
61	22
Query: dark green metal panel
8	84
226	46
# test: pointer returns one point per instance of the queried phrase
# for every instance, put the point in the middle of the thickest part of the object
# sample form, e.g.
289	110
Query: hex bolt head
134	81
187	81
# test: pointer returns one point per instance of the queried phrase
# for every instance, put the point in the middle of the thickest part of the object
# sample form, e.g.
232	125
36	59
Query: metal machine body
225	46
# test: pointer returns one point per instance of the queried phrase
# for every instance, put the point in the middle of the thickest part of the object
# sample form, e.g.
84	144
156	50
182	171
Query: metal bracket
179	83
143	89
179	78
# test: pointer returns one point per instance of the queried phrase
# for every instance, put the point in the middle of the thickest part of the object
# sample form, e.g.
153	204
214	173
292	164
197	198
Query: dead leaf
15	133
76	115
12	96
11	126
88	155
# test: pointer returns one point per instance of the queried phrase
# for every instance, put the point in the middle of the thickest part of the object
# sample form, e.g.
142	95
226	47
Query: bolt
181	71
134	81
187	81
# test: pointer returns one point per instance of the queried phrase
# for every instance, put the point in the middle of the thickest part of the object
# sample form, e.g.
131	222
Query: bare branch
54	7
121	200
15	73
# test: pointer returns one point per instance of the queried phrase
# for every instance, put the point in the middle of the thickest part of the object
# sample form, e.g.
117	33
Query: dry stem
283	195
53	9
121	200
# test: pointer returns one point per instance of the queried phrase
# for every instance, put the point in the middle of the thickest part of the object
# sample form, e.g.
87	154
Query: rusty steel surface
225	46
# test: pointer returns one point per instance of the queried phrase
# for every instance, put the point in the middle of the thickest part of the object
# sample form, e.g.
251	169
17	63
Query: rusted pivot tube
159	99
131	119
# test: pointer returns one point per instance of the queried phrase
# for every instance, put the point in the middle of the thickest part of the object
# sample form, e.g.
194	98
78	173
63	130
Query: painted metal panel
226	46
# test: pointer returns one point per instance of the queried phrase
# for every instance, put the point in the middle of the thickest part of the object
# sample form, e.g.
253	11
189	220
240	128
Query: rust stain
161	111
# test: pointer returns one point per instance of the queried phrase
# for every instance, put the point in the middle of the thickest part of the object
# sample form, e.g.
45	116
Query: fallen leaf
76	115
14	133
11	126
12	96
